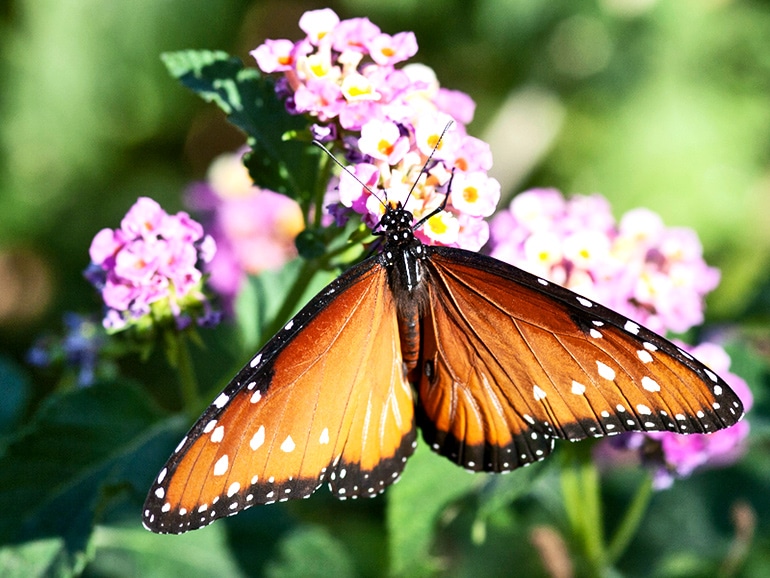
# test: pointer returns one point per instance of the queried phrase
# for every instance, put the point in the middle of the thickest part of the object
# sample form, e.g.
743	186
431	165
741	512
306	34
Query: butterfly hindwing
326	400
512	361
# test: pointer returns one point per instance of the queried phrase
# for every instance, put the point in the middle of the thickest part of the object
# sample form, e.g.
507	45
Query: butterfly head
402	251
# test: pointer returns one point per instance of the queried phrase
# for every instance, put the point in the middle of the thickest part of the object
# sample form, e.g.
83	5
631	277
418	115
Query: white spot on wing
160	493
233	489
538	393
288	445
631	327
644	356
605	371
179	446
643	409
255	361
218	435
711	376
650	384
595	334
324	439
221	400
584	302
221	466
210	426
162	475
650	346
289	325
258	439
256	396
578	388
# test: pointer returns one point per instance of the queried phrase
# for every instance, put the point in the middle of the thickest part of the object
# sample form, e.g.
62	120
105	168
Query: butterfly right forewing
512	361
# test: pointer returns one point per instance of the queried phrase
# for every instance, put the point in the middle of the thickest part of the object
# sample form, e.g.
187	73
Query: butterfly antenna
424	168
320	145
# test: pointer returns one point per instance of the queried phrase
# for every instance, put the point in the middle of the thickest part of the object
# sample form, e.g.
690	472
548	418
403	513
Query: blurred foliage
660	103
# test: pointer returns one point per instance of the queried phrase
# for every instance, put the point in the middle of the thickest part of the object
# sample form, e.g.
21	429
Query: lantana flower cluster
254	228
638	267
387	121
148	271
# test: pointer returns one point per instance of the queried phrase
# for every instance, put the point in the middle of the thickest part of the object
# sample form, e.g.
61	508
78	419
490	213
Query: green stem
631	521
309	268
582	502
187	380
324	175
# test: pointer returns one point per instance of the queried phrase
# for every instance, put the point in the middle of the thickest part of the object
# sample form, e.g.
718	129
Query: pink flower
639	268
388	50
275	55
387	121
254	228
383	141
318	23
353	35
149	268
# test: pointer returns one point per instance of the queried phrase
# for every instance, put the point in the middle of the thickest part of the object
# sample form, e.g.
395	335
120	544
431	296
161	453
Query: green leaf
15	395
133	551
311	552
37	558
277	162
310	245
263	295
429	484
82	450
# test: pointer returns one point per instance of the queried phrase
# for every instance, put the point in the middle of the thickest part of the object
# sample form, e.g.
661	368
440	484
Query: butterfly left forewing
326	400
512	361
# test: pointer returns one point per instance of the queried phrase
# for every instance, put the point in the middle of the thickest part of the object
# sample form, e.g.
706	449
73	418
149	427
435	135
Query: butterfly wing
512	361
325	400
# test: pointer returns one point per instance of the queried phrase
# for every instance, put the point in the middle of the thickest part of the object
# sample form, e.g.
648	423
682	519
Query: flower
79	349
254	228
670	455
638	267
147	271
388	122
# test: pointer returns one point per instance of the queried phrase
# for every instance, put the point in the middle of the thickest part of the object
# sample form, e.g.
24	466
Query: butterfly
490	362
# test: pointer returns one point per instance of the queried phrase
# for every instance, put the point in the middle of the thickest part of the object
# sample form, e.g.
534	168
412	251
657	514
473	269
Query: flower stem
309	268
630	524
582	502
178	353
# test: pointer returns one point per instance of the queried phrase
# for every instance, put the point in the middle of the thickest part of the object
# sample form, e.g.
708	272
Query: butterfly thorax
402	255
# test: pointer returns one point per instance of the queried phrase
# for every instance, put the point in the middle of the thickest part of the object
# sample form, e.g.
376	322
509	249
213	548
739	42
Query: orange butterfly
492	363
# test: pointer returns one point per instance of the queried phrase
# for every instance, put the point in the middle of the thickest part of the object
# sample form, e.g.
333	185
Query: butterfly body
490	362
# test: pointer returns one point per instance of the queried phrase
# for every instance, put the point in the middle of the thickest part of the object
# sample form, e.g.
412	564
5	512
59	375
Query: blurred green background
656	103
651	103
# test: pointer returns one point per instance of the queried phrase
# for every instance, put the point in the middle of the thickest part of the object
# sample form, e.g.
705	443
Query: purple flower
670	455
79	349
652	274
387	121
147	271
254	228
